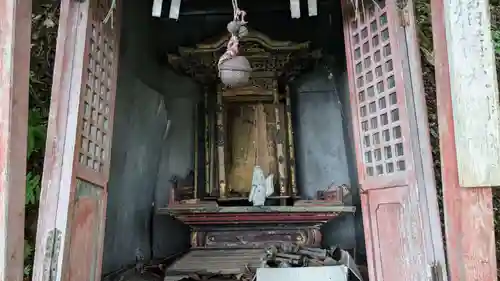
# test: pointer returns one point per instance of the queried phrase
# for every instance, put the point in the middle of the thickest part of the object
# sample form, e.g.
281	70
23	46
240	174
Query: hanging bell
235	71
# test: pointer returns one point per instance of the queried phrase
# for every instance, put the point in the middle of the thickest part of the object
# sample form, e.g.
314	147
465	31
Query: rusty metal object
287	255
334	193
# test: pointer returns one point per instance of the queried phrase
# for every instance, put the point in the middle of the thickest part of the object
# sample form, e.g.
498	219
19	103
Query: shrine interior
174	123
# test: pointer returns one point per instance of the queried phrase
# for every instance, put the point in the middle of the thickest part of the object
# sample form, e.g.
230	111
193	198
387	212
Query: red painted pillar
15	36
470	236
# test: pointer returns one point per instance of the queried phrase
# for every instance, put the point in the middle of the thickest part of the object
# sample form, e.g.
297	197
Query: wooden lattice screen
377	94
396	196
93	145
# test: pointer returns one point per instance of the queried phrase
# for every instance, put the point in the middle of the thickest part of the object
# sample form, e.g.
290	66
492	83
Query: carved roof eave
253	36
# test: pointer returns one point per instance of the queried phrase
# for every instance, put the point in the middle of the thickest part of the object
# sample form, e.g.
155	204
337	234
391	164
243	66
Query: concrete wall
345	99
176	158
325	152
137	140
321	152
143	92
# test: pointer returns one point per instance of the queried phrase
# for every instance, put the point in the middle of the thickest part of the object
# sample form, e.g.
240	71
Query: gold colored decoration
290	138
262	132
279	148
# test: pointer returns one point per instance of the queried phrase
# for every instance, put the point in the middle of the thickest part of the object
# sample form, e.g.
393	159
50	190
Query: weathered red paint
468	211
82	257
242	218
56	133
15	36
74	190
398	233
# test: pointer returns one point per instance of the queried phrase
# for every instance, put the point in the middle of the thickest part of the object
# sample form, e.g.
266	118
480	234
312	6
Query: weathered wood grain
474	92
15	27
470	236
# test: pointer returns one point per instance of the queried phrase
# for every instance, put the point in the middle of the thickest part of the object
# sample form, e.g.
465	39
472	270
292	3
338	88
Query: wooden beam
468	211
175	7
474	92
312	7
157	8
15	37
295	9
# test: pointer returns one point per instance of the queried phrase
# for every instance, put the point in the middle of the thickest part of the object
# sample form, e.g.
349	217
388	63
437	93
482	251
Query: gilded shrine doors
394	161
76	170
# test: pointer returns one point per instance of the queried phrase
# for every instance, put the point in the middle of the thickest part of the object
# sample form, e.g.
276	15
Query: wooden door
394	161
76	170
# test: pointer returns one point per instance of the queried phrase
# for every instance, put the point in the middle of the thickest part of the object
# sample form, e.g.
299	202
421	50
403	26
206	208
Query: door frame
15	37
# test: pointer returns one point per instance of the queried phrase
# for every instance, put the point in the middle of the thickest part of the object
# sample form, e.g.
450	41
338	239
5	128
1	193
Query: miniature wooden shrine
245	126
240	128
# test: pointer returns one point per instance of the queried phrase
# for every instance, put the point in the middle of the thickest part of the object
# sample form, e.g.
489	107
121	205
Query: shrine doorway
139	187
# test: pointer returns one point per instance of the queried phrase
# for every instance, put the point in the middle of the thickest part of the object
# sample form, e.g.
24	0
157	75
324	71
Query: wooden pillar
15	36
206	143
291	144
221	146
280	155
465	69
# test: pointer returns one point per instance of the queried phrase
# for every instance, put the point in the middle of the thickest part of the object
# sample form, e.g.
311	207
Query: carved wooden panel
252	237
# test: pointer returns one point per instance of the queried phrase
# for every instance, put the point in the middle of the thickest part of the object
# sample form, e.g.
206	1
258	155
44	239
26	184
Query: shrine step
215	261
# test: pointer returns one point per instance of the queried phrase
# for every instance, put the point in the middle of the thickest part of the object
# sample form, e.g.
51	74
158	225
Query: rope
233	44
109	15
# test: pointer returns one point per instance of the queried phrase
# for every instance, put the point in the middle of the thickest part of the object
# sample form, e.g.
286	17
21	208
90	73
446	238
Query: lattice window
377	99
96	98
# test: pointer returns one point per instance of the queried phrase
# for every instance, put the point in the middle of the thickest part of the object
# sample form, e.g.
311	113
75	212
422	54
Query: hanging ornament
234	70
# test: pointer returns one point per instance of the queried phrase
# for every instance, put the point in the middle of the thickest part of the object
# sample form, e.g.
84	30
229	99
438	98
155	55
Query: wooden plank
55	137
474	88
157	7
175	7
295	9
261	209
468	212
425	166
312	7
15	28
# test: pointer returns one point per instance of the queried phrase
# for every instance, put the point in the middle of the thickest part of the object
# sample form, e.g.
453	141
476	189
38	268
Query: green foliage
496	40
32	188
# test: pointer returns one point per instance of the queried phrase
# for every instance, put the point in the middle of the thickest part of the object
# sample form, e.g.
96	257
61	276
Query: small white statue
262	187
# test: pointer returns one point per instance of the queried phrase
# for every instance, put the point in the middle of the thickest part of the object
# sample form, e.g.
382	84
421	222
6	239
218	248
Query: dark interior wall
345	98
176	159
321	152
138	141
325	147
139	123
